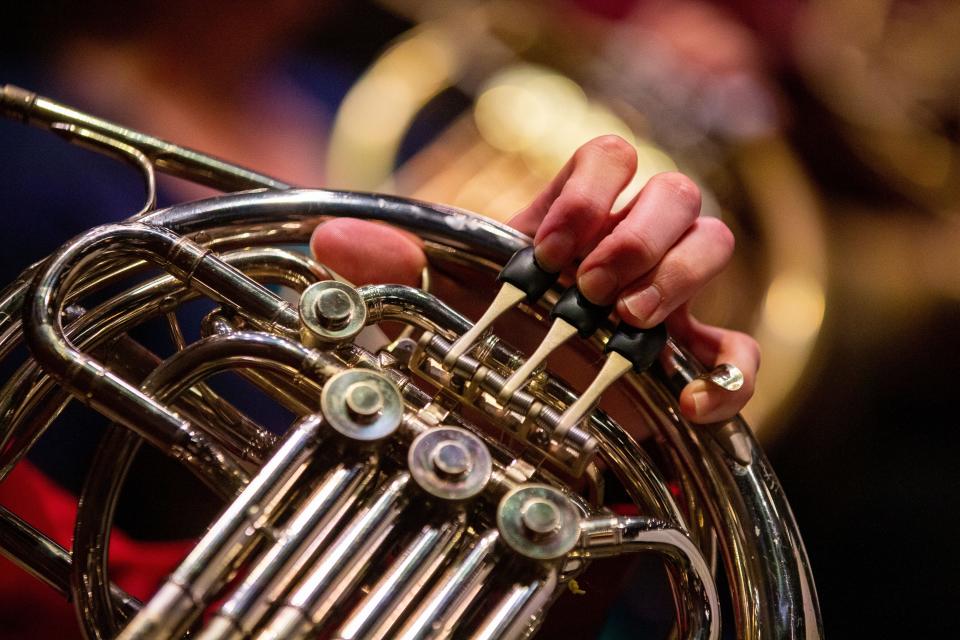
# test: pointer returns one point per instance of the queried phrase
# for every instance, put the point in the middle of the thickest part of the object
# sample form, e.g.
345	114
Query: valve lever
572	313
559	331
506	298
522	277
628	348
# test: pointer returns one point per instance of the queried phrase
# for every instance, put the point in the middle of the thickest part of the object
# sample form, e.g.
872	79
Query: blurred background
825	133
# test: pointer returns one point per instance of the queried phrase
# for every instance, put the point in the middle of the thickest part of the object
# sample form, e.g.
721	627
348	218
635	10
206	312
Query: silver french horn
442	485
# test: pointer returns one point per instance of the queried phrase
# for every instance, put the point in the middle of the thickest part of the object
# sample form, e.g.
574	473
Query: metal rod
443	607
317	519
408	577
339	567
520	610
186	592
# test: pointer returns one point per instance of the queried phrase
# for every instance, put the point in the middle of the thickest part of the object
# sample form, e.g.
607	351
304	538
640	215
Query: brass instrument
420	493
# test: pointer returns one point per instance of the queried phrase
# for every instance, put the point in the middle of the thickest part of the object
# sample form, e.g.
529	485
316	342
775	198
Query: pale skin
649	258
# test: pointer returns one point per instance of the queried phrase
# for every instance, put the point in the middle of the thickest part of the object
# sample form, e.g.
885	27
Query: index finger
574	211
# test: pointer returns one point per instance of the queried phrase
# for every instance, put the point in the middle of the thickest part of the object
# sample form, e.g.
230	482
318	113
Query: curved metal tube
170	379
30	400
791	600
110	394
613	535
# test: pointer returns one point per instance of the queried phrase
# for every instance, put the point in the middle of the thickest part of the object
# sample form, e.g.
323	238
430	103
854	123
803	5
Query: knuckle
637	244
682	279
583	204
682	189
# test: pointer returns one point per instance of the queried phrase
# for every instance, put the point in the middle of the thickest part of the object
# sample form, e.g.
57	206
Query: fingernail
598	285
643	304
700	400
555	250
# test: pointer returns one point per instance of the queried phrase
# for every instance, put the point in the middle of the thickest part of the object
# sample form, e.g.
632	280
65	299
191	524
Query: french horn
444	484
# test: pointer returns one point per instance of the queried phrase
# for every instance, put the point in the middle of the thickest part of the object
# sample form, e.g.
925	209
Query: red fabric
30	609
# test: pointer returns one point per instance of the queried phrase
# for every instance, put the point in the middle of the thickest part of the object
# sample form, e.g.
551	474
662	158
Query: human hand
649	258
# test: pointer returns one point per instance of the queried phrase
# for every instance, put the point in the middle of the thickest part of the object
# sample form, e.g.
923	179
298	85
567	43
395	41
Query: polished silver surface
362	405
450	463
331	311
332	530
538	522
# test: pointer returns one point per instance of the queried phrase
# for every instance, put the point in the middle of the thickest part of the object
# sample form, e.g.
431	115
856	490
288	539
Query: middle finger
667	206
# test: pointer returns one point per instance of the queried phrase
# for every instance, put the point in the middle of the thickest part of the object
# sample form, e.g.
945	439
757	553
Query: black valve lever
525	273
572	313
522	278
640	346
628	348
574	308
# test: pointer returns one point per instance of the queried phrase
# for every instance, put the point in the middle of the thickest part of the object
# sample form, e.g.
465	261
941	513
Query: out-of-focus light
526	108
794	306
543	117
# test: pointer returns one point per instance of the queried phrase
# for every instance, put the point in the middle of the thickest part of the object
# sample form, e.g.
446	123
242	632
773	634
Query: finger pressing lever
573	313
628	348
522	277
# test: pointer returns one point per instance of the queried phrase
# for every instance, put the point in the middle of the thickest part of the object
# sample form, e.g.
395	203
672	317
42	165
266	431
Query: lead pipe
37	110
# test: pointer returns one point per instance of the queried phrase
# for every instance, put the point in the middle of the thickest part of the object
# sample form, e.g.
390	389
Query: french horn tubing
443	485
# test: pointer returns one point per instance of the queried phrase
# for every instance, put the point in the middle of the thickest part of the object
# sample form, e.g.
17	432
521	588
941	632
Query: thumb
367	252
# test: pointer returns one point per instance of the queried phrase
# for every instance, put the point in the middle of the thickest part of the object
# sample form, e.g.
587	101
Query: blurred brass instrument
418	493
541	84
